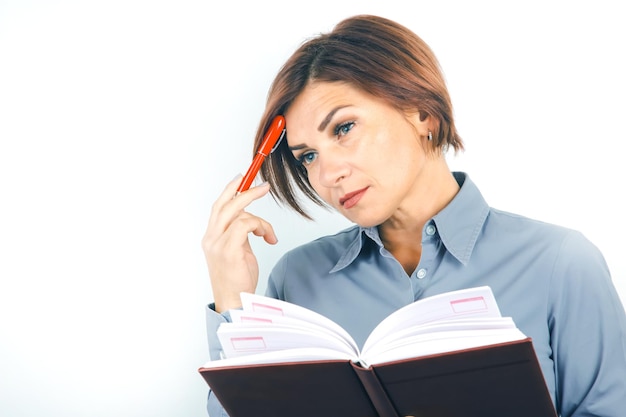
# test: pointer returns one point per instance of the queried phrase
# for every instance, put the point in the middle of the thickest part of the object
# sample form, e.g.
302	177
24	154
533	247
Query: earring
430	135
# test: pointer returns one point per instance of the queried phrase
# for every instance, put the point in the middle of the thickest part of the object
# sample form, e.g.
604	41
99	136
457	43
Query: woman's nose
332	169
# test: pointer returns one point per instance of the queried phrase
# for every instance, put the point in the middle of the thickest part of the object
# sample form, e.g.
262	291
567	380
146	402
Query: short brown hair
375	55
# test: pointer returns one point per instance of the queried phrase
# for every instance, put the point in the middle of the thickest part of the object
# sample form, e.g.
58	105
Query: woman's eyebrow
322	125
297	147
329	117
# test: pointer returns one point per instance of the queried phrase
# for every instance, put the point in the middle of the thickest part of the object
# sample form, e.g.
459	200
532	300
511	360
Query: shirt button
421	273
430	230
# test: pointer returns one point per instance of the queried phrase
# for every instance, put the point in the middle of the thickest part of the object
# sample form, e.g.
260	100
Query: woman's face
363	157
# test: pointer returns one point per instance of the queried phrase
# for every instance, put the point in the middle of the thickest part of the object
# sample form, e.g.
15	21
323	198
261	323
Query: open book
450	354
267	330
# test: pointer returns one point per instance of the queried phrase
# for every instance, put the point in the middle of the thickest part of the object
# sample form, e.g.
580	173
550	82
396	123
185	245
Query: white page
472	302
240	340
283	356
255	303
443	342
271	320
412	334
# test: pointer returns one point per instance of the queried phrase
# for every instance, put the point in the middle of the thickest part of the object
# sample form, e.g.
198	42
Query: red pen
270	142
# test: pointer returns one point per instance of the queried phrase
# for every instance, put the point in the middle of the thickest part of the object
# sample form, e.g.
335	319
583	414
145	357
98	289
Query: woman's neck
402	233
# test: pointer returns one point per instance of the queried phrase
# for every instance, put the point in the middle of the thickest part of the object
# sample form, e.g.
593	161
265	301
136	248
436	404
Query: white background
121	121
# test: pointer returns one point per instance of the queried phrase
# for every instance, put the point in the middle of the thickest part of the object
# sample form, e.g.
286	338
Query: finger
229	205
228	192
247	223
267	232
254	193
233	245
240	201
235	234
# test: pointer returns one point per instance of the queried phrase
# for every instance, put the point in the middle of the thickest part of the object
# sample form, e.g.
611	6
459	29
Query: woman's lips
351	199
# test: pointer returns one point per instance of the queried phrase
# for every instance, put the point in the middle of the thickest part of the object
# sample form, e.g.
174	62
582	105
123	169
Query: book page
472	302
442	342
437	324
273	320
240	339
283	356
467	324
259	304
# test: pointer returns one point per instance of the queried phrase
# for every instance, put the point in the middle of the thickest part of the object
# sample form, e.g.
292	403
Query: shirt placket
421	277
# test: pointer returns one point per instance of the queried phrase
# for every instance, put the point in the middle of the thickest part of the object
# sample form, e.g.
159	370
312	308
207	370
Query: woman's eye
307	158
343	128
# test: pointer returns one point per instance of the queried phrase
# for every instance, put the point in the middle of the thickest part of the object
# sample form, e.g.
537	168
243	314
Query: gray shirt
551	280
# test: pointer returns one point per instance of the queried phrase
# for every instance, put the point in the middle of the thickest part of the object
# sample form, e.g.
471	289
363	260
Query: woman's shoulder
541	232
510	220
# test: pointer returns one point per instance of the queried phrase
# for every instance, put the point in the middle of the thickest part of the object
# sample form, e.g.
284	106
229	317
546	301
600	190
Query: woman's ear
421	121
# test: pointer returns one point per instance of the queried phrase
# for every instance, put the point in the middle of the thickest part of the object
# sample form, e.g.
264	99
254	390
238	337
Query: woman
369	120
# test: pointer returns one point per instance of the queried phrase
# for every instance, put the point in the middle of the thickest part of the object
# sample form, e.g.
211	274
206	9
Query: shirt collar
459	225
460	222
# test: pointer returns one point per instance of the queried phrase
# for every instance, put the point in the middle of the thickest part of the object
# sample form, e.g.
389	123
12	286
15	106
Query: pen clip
282	135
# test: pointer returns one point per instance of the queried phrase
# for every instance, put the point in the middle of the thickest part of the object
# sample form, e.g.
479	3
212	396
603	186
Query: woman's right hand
233	268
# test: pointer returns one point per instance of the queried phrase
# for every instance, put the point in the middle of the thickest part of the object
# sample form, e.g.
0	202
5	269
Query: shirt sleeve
588	333
213	320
